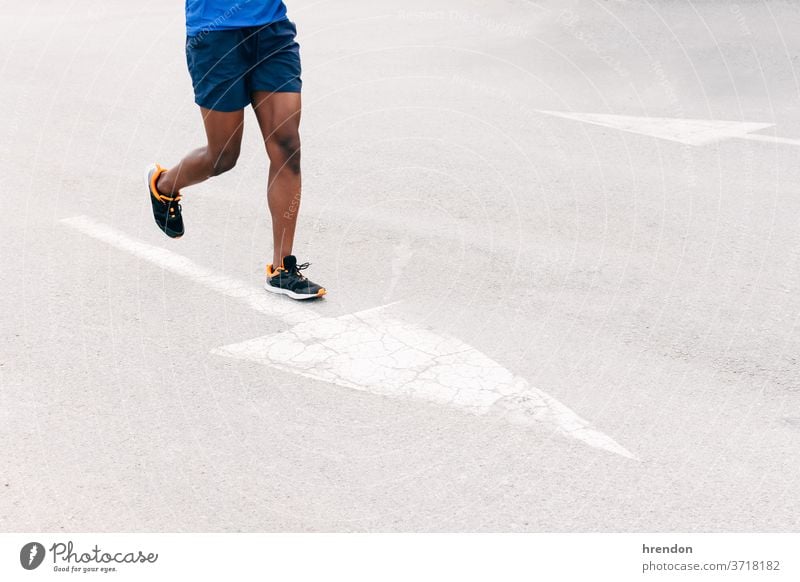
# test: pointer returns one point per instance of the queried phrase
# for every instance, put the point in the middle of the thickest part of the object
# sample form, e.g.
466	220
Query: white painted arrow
695	132
372	352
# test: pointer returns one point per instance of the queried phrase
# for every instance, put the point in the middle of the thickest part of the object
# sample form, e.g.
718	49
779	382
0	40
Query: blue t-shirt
206	15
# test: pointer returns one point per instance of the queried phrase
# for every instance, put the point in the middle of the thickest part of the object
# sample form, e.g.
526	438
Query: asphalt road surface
561	241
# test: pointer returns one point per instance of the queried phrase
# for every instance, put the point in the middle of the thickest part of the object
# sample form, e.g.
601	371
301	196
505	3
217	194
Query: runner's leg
224	135
278	117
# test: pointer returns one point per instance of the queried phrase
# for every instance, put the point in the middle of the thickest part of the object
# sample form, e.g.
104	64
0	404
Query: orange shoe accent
154	190
154	180
321	292
271	272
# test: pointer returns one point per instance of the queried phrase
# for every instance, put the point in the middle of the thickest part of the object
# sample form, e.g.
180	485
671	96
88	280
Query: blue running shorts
227	66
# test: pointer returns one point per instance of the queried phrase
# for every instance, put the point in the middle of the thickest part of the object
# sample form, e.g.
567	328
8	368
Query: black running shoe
166	209
288	280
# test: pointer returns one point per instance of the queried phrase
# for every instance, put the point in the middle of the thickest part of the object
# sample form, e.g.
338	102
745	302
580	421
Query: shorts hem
221	108
278	90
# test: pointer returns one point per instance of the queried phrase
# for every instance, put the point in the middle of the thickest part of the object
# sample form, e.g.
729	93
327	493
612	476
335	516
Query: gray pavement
648	286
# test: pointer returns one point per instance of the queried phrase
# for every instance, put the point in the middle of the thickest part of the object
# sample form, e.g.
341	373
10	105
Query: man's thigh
278	115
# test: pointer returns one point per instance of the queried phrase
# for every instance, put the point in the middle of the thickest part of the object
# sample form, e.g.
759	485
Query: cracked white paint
372	352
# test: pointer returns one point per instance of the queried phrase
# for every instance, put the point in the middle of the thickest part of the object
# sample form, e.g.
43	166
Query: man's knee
224	161
285	149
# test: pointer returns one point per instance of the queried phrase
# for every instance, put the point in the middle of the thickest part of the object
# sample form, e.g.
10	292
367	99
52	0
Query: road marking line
372	352
771	139
288	312
694	132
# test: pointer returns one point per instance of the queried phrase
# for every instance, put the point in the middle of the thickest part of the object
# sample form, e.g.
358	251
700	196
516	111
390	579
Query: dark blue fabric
208	15
227	66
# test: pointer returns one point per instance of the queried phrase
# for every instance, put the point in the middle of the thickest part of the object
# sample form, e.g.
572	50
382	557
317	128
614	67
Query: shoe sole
292	294
147	173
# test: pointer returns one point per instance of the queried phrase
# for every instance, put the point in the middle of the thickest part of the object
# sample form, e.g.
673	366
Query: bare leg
224	134
278	117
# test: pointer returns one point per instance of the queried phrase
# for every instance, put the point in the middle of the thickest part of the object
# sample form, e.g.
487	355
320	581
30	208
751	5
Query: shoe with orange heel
166	209
288	280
